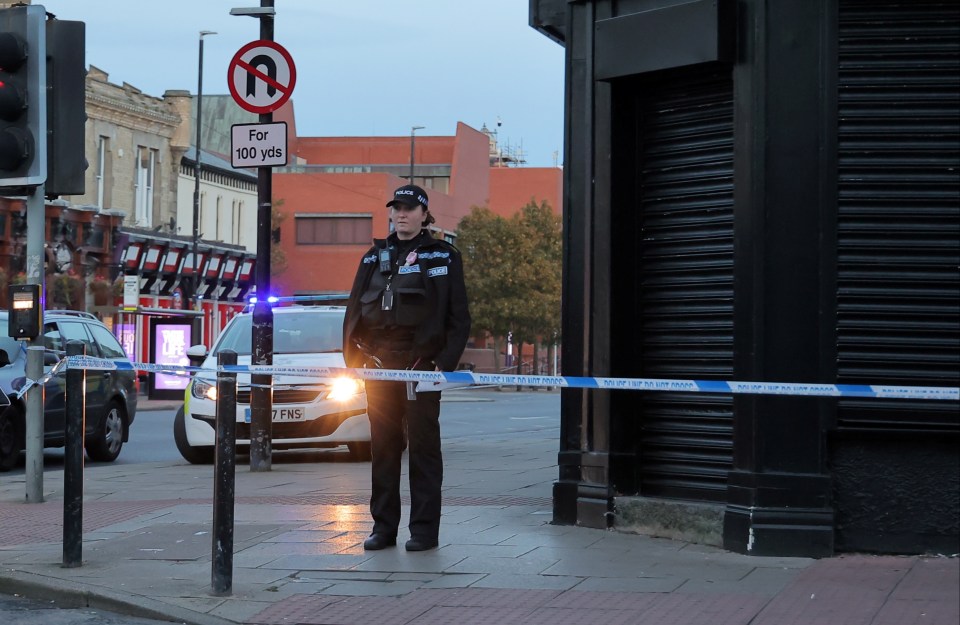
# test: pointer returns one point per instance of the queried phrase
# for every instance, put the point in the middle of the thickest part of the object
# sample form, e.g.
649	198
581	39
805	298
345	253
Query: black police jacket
429	297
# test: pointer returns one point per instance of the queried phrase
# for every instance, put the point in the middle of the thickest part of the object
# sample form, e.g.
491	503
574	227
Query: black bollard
223	486
73	461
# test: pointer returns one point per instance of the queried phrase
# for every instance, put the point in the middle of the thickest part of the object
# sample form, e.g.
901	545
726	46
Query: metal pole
34	418
73	461
36	228
413	141
221	574
36	206
195	283
261	392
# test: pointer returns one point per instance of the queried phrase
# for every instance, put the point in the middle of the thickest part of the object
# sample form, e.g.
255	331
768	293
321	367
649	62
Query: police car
307	412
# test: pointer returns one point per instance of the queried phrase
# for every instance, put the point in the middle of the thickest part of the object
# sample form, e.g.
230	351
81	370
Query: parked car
111	396
307	412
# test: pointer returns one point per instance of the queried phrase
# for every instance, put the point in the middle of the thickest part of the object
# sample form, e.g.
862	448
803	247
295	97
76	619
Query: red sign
261	76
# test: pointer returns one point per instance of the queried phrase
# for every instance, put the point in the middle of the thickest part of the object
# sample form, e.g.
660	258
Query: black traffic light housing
24	319
23	115
66	108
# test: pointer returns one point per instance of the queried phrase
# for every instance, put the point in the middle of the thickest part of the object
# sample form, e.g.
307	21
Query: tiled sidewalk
298	556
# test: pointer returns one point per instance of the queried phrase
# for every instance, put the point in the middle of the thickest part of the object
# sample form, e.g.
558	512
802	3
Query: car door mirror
50	358
196	354
4	358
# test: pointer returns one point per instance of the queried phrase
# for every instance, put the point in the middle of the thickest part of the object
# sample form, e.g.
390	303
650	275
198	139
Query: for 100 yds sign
258	145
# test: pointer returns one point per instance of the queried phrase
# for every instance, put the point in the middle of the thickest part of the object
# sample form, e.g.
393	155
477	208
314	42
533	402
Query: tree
512	268
540	267
487	242
278	260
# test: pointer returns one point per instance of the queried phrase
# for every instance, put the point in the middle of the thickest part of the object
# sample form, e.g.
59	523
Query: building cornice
128	108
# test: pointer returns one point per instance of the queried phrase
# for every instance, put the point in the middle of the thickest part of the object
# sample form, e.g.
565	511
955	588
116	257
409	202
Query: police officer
407	310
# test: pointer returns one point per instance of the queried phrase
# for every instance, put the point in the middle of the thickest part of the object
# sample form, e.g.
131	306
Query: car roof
70	313
75	314
300	308
60	315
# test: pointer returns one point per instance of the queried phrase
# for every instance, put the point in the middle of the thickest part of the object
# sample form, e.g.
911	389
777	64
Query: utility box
24	319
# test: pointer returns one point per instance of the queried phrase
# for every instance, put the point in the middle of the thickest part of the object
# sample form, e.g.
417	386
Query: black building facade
763	190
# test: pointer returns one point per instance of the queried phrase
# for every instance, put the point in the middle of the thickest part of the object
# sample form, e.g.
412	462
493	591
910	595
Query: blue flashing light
271	299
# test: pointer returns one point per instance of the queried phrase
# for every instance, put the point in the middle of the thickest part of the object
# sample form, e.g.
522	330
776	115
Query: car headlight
343	389
203	390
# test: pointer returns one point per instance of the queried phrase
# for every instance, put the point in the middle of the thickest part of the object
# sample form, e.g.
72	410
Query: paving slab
298	555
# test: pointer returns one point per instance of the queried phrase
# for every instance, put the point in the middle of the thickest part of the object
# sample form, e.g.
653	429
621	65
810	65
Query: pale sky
364	67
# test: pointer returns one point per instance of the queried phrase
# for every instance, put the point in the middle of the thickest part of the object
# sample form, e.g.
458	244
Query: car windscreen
293	333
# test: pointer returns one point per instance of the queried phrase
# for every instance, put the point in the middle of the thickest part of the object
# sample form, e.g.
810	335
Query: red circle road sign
261	76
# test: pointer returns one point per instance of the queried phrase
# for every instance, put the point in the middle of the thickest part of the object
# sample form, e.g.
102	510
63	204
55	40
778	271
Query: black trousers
388	408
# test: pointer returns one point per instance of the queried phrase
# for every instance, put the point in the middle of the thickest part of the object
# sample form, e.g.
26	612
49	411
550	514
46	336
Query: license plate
280	414
288	414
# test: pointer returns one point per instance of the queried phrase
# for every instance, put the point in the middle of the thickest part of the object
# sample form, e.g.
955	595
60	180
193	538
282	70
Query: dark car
111	396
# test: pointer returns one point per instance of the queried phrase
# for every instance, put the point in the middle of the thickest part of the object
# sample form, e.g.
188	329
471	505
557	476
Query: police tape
57	369
441	380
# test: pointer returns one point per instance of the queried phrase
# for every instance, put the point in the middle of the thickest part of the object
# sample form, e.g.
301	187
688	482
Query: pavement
298	556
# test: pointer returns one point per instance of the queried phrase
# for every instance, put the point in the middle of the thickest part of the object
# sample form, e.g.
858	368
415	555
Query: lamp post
196	174
261	352
413	141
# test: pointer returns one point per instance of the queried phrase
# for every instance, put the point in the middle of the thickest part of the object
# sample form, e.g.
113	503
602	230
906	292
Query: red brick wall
374	150
511	188
470	179
327	267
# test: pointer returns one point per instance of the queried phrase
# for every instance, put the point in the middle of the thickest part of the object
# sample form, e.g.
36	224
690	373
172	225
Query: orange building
514	187
333	194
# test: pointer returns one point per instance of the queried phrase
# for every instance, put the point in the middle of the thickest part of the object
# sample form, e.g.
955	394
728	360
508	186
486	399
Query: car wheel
11	437
193	455
360	451
107	440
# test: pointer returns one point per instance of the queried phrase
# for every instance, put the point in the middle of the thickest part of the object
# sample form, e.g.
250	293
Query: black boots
379	541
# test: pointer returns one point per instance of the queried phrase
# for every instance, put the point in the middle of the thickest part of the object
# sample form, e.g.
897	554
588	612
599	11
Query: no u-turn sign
261	76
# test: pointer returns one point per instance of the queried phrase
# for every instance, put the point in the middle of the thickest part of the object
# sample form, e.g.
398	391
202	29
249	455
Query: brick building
333	197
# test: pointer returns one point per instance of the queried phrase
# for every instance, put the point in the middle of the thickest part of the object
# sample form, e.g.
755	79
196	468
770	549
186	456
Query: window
307	332
51	338
109	346
10	348
334	229
75	331
146	164
446	235
218	223
236	223
102	146
200	214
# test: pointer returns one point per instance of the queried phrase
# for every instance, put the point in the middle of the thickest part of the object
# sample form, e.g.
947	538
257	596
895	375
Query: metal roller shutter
686	280
898	297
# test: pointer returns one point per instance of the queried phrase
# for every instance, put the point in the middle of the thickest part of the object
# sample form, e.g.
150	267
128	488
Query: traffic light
66	107
23	115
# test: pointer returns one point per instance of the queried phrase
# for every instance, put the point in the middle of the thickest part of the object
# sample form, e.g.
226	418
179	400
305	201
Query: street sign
258	145
261	76
131	292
